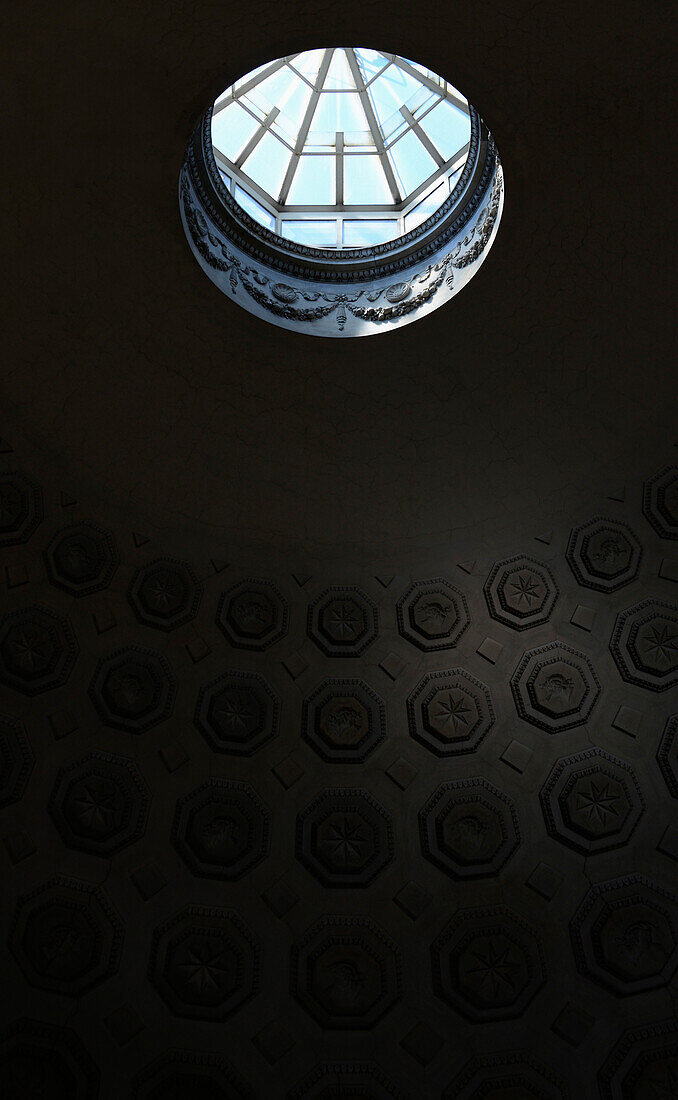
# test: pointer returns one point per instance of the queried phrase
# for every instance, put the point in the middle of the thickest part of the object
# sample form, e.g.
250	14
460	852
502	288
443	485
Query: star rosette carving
237	712
38	649
520	592
644	644
204	963
592	801
343	622
165	594
345	837
487	963
100	803
450	712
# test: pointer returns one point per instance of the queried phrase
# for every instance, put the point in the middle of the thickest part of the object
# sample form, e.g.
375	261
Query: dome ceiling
547	382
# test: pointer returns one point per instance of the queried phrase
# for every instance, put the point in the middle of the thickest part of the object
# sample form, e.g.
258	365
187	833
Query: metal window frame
339	212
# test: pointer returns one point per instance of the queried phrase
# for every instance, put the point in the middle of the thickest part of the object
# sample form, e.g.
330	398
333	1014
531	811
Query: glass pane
411	162
423	102
338	111
225	177
427	206
267	164
315	234
292	110
448	128
232	128
364	182
314	182
254	208
390	91
339	75
394	127
370	63
274	91
361	234
308	64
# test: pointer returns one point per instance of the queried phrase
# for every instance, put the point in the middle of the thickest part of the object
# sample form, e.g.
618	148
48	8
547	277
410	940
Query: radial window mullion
305	127
425	140
256	138
373	125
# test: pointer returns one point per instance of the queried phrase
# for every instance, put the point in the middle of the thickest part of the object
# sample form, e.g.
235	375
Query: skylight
341	147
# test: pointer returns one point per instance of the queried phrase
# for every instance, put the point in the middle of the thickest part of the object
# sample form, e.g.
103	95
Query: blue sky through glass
282	120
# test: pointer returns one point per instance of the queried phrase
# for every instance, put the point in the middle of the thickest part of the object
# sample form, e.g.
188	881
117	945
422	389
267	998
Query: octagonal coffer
204	963
433	615
81	559
222	829
625	935
488	963
165	593
344	837
66	936
592	801
604	554
100	803
343	621
660	502
344	721
237	712
644	644
642	1063
469	828
346	972
555	687
133	689
253	614
21	507
520	592
450	712
35	1054
38	649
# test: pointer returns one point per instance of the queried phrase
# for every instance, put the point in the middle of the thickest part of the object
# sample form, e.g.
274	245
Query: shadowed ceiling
543	385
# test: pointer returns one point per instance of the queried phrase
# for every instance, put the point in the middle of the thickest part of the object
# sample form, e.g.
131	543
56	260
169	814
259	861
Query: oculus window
341	191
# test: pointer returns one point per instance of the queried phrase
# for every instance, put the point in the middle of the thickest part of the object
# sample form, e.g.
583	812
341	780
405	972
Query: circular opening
341	148
341	191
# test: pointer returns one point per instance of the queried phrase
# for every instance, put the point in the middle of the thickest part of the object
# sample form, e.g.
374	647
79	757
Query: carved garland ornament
280	298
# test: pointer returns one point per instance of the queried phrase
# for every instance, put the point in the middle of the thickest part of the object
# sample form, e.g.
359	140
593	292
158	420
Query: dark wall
306	485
